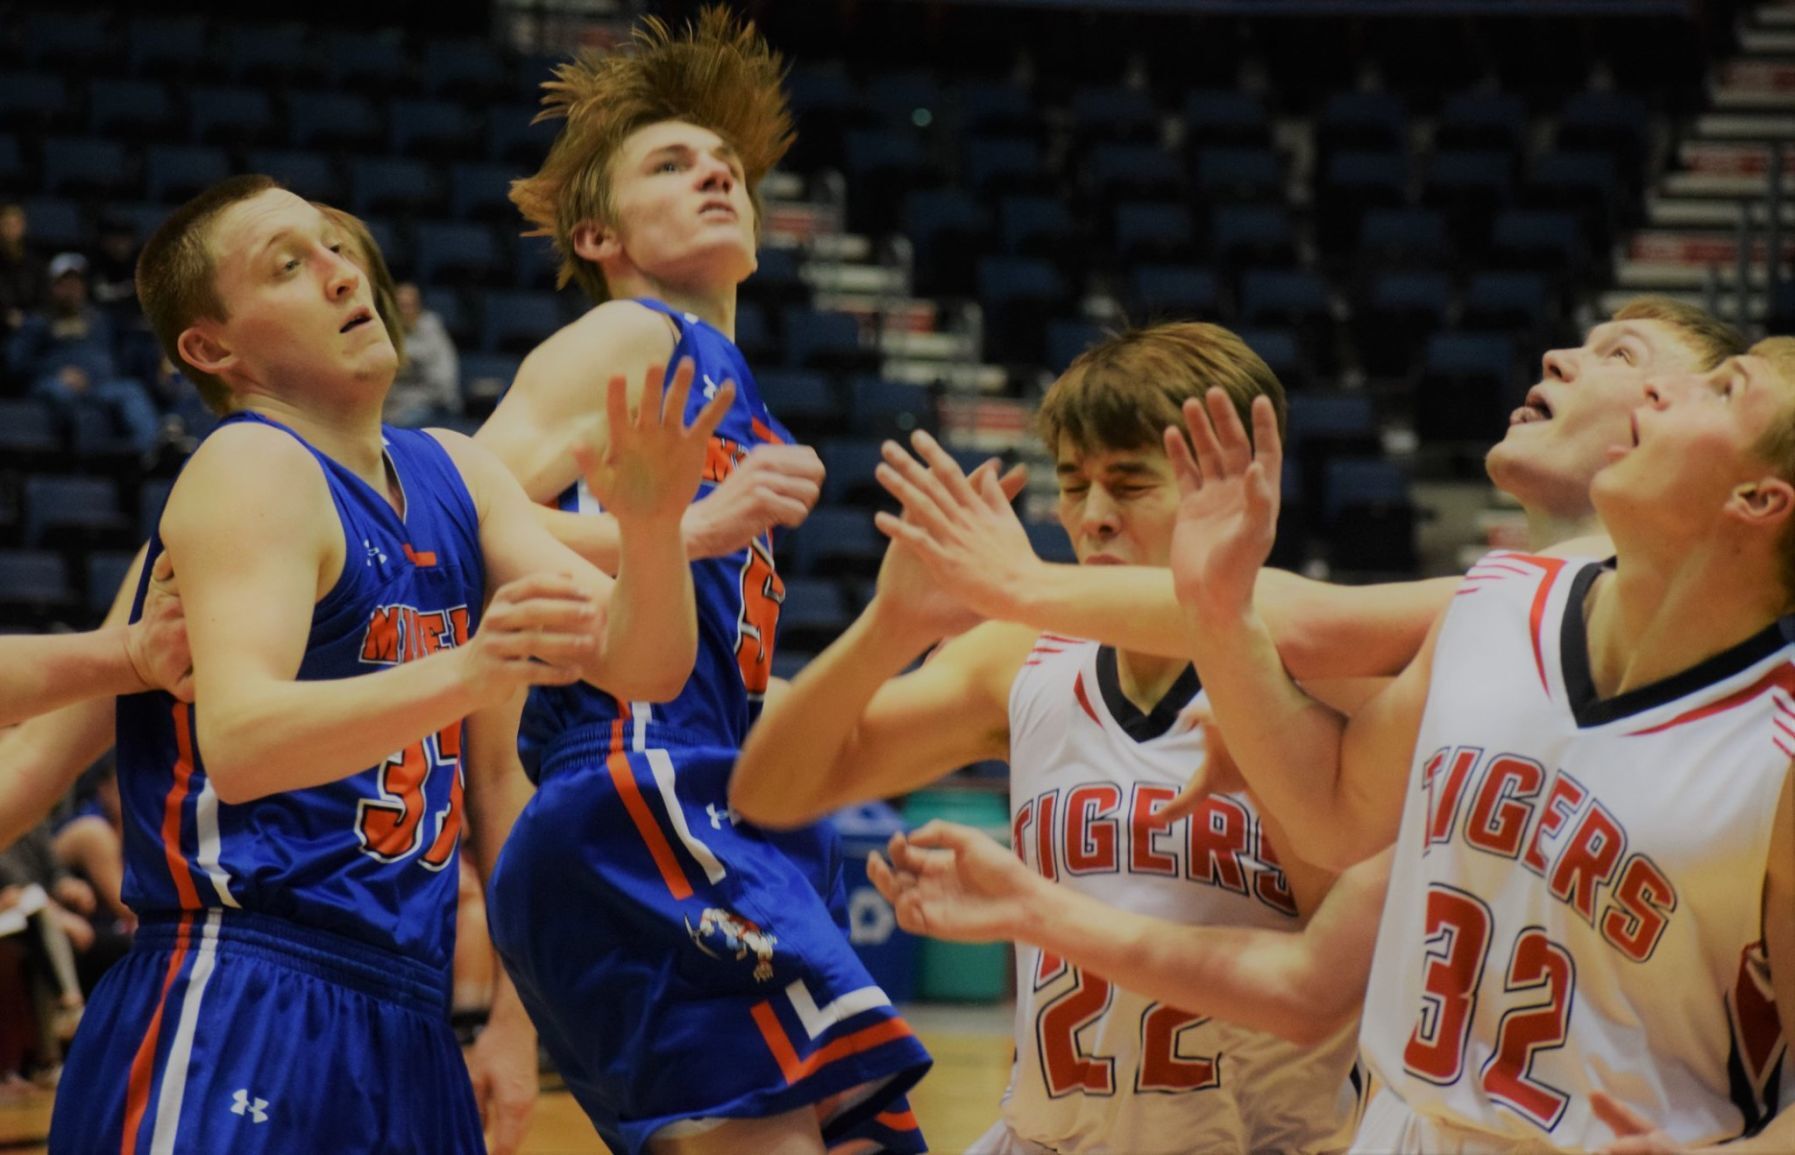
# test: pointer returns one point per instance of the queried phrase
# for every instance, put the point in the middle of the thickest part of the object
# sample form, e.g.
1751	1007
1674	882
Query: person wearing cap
67	352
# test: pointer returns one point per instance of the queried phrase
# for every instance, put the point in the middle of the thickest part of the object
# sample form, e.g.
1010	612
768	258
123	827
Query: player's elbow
232	768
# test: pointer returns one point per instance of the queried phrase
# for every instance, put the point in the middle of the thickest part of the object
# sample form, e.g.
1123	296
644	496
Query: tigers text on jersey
370	856
1100	1069
1575	899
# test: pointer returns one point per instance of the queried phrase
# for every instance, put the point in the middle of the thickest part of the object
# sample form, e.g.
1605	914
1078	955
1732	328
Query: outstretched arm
1335	785
848	729
953	882
40	674
980	554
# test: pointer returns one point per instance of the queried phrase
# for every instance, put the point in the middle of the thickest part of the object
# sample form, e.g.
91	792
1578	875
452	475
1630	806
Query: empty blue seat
1173	291
1282	296
1547	242
56	223
229	114
1369	516
1614	122
1482	120
449	252
57	505
516	322
128	108
1253	234
1279	349
259	53
1400	311
1467	387
433	128
1050	543
13	172
1240	174
1352	182
173	173
1114	112
106	570
803	400
30	98
1404	237
1469	187
812	612
363	57
330	119
822	339
34	585
515	137
754	334
997	106
1215	117
779	277
66	37
1035	224
909	97
848	465
463	66
481	192
947	228
1516	302
393	184
85	164
309	174
161	46
27	429
998	164
881	408
534	262
1067	337
1363	120
1017	295
1133	170
1153	230
836	541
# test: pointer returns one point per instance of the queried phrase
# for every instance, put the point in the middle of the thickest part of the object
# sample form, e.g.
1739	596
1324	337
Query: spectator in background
89	842
113	273
427	390
67	352
23	282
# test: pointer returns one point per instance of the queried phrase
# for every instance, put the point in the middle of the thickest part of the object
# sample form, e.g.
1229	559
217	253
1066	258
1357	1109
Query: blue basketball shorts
681	965
224	1031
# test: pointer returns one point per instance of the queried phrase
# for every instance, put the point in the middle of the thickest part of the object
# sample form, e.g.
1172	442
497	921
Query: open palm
1228	501
953	882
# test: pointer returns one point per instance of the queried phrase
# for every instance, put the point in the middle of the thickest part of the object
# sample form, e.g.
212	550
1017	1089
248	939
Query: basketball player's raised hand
773	485
157	642
647	463
953	882
961	528
536	631
907	584
1228	501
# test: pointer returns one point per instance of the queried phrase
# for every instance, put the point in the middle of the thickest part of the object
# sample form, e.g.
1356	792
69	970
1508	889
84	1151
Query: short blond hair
718	74
1124	391
177	276
1710	338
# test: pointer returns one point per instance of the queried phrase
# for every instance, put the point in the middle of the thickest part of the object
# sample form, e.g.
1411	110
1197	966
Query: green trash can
962	972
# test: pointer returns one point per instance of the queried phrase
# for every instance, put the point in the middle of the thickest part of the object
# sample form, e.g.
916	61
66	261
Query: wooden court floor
955	1103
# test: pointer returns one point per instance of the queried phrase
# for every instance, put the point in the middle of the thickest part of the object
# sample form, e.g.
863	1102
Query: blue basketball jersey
370	857
738	595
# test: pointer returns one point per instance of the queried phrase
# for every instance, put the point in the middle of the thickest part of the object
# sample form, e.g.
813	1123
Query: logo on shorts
256	1109
725	934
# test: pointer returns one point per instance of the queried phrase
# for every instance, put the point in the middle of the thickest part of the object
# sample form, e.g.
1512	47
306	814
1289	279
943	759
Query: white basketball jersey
1575	902
1103	1070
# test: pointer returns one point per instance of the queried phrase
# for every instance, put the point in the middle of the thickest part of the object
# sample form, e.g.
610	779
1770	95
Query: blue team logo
725	934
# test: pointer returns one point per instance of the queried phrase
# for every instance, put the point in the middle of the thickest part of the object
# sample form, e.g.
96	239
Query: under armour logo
375	553
710	388
256	1109
718	817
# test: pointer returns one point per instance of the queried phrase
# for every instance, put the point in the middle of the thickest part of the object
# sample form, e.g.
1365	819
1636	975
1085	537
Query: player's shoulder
618	332
248	465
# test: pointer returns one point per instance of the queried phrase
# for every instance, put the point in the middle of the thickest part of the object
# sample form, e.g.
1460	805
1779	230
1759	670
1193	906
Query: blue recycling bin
888	951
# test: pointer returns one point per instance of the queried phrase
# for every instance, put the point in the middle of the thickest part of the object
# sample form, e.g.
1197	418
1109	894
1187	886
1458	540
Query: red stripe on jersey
143	1063
1052	637
795	1069
175	803
764	431
1078	689
904	1120
1781	678
1553	567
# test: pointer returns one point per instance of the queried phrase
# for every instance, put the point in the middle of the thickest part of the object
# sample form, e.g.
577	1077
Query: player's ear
204	349
1769	500
595	242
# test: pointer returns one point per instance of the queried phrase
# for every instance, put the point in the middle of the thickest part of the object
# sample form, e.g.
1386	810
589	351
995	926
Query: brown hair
1124	391
719	74
373	264
177	281
1707	335
1777	445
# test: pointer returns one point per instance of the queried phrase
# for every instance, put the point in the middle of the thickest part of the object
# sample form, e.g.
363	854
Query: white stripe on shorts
180	1052
661	763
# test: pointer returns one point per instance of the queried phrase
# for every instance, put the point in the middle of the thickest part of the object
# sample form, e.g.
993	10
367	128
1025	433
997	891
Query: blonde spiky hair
718	74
